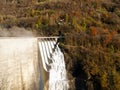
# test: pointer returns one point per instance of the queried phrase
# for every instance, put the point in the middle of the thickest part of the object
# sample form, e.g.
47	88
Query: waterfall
53	62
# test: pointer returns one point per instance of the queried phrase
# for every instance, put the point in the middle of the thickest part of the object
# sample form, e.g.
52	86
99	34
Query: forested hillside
92	35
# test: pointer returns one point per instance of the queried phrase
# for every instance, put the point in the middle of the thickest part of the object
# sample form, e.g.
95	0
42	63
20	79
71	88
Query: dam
31	64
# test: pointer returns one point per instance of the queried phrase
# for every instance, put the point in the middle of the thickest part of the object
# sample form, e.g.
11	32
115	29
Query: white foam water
57	76
57	71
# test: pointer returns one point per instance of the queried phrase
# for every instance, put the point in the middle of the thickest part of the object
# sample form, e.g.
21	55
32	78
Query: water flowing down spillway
53	62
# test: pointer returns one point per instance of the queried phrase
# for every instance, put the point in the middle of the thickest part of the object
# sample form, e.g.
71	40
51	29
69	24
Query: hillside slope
92	36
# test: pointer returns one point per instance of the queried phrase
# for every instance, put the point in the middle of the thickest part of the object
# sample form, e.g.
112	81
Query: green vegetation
92	36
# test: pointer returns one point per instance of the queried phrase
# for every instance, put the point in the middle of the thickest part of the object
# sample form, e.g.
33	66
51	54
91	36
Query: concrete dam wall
19	66
31	64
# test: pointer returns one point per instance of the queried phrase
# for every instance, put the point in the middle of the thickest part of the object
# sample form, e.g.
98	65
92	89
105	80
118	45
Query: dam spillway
24	61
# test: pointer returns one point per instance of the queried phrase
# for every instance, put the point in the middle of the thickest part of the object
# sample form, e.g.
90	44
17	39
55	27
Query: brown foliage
92	50
93	31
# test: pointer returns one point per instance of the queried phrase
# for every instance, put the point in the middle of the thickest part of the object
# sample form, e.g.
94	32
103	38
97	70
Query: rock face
19	66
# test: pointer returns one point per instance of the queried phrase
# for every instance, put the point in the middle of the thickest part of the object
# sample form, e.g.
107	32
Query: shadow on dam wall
20	68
